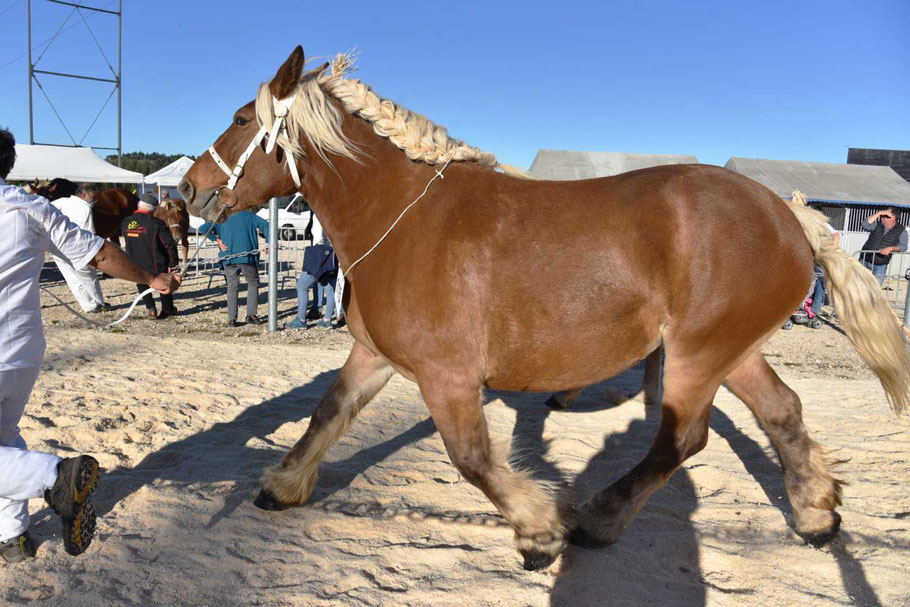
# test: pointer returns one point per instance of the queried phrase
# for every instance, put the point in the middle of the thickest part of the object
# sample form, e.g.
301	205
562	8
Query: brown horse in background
467	292
113	205
172	211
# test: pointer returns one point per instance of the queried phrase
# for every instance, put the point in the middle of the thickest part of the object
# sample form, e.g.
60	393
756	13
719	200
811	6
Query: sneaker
17	549
153	315
234	323
296	323
167	314
324	323
254	320
70	498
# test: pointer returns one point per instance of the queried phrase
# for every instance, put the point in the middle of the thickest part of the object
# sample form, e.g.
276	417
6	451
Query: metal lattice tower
33	73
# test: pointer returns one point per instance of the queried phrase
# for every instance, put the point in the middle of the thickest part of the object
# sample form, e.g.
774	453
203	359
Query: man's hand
165	283
221	245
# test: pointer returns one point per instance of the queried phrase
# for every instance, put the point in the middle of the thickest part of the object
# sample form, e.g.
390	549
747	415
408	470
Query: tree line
144	162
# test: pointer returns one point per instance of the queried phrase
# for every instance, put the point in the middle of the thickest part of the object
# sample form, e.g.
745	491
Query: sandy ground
184	414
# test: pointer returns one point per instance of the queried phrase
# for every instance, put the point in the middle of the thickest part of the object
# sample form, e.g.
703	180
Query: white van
293	217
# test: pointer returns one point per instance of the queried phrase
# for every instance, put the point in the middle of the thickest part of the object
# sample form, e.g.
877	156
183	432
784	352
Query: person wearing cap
84	283
65	484
150	244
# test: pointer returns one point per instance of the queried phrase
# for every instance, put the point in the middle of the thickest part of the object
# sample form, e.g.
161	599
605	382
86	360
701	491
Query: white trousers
24	474
83	283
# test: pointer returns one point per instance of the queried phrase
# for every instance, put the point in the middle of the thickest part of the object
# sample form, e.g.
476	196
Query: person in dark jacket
150	244
320	266
888	236
238	240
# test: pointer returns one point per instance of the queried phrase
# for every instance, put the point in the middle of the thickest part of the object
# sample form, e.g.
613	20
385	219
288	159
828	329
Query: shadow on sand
657	561
767	473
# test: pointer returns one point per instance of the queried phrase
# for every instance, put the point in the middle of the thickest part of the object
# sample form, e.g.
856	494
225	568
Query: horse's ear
288	74
316	72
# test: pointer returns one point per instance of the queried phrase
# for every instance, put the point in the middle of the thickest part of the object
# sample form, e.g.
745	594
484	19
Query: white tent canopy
75	164
171	175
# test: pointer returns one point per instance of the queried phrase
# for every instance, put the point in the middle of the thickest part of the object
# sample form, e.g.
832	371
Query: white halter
281	108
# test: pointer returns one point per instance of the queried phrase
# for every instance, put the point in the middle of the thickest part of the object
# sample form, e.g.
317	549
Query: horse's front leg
529	506
185	245
291	482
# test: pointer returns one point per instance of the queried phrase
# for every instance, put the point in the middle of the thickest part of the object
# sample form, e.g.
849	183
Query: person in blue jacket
238	239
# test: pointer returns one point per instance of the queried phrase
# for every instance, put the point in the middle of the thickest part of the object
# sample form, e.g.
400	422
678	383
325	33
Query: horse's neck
358	201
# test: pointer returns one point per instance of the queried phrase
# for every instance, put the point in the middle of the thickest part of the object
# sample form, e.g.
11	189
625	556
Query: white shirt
31	227
78	211
318	234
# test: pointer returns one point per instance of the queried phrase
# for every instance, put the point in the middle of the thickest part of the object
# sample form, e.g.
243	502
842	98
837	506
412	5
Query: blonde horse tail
865	313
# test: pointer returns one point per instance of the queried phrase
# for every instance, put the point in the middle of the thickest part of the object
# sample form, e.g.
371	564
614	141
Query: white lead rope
95	322
339	286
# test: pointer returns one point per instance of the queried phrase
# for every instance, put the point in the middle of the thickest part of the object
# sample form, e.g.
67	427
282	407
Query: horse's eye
240	121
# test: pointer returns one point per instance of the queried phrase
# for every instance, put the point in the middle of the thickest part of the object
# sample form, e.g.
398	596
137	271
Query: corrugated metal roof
826	182
570	164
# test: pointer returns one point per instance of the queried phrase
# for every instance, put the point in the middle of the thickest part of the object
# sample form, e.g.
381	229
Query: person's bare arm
111	260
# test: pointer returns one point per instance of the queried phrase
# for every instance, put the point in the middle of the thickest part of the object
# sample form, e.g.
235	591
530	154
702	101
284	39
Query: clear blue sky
771	79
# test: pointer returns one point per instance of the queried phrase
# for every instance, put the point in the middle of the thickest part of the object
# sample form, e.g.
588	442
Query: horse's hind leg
292	481
529	506
689	391
813	492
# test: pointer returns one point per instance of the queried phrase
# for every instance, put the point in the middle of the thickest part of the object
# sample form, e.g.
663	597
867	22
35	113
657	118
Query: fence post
273	265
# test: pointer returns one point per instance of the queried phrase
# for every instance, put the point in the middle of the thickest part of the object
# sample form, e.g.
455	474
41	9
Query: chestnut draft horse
172	211
451	297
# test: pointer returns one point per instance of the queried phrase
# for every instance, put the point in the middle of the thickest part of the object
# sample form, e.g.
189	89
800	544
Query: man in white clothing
83	283
34	227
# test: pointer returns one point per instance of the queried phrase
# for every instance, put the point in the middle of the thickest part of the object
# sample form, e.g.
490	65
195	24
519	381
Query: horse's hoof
821	538
266	501
554	404
581	538
535	561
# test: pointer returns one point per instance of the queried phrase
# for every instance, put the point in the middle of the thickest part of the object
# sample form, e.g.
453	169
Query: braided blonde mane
315	117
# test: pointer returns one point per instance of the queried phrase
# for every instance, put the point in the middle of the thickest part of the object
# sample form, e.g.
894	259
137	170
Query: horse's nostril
185	187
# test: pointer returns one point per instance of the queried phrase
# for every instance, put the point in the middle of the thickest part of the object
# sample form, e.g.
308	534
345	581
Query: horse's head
61	188
260	169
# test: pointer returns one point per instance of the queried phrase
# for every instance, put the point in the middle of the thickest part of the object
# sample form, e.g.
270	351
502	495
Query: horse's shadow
647	565
228	443
767	473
